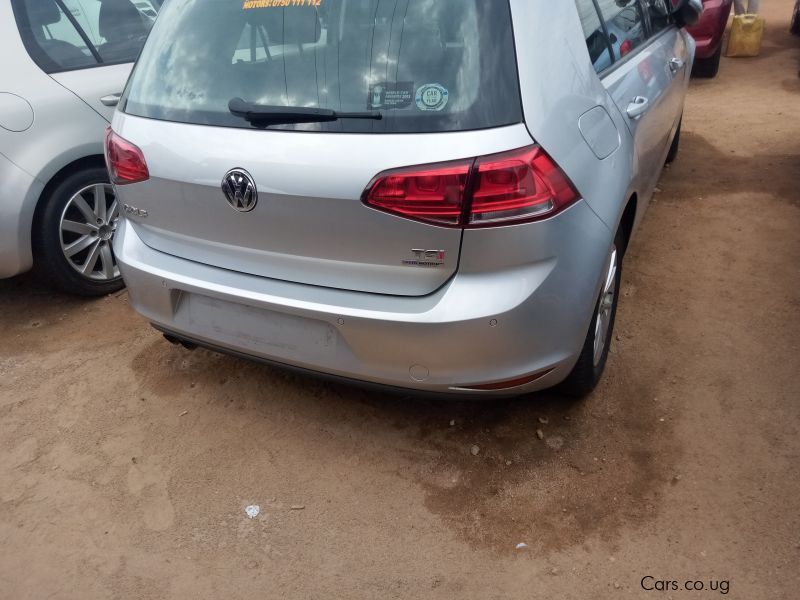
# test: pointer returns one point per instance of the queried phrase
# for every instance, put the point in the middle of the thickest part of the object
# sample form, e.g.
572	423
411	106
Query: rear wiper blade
262	115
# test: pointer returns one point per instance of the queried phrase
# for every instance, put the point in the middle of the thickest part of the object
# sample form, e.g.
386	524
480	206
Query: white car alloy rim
87	226
605	307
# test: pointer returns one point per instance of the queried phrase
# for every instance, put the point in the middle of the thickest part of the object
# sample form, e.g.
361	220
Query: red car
708	33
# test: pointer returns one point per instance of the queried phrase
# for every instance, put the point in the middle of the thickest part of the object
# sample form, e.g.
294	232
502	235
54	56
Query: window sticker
432	96
251	4
390	95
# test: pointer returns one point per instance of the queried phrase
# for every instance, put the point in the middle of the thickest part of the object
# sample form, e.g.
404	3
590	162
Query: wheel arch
85	162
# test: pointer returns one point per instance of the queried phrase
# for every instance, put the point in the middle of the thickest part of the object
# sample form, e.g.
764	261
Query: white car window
86	12
94	31
52	37
117	28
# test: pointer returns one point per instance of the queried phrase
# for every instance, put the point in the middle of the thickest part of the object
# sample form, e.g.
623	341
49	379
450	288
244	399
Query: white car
64	64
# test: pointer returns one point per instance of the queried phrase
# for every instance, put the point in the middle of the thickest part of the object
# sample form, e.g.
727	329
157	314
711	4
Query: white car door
108	34
96	86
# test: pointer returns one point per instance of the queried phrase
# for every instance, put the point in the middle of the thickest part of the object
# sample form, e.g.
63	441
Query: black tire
795	26
675	146
707	68
50	260
587	372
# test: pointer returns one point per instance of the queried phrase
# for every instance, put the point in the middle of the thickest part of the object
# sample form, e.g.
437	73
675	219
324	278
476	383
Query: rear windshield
425	65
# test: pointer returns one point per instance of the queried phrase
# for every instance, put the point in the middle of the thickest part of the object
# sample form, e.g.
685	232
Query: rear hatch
442	77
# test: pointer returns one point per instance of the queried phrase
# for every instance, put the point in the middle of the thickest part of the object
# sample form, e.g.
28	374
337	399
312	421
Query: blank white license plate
264	331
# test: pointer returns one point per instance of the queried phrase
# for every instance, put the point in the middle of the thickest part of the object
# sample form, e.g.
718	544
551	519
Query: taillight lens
521	185
124	160
432	194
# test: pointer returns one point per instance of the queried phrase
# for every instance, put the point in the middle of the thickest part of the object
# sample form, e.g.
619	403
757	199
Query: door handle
111	99
676	64
638	107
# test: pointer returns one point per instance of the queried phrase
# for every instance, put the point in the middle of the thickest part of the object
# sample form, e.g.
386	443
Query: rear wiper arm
263	116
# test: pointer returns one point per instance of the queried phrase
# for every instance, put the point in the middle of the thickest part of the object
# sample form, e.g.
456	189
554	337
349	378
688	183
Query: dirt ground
126	463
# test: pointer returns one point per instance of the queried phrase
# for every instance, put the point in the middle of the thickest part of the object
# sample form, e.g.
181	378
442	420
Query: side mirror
687	12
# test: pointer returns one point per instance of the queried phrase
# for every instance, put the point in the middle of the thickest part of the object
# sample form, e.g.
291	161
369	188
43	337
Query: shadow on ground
542	468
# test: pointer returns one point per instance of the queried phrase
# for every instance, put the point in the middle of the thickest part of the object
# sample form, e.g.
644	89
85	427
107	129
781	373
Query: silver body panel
448	335
309	225
324	288
66	125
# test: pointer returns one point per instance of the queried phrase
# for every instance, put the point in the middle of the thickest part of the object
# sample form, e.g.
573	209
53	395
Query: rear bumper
478	329
709	30
18	194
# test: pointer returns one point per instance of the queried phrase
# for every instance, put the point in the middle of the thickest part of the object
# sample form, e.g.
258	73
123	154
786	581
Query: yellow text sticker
251	4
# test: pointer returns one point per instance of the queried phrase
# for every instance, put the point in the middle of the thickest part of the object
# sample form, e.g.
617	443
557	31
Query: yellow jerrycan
746	34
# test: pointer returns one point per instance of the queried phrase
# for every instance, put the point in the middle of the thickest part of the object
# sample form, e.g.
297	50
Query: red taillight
124	160
433	194
625	47
520	185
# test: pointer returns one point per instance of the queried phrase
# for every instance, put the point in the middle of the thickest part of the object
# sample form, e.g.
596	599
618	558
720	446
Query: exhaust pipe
176	341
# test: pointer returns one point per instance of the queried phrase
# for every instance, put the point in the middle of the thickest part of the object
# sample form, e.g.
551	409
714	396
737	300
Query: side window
51	37
108	31
600	50
625	24
117	28
658	12
85	13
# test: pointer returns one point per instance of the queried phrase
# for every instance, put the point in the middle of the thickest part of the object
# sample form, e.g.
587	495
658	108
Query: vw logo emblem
240	190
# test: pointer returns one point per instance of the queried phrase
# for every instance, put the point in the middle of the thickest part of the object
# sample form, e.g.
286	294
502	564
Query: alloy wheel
87	226
605	308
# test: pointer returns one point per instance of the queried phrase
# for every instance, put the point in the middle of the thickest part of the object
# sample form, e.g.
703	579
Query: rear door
96	86
675	54
645	83
87	46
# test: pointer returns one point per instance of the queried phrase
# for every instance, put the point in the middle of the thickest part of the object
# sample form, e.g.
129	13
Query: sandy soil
126	463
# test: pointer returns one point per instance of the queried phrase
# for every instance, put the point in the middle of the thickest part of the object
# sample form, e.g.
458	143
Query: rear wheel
592	361
707	68
73	233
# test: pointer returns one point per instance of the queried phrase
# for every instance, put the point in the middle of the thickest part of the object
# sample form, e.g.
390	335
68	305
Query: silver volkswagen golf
430	195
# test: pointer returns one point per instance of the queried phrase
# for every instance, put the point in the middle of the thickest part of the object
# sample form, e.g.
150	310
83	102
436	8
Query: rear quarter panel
559	85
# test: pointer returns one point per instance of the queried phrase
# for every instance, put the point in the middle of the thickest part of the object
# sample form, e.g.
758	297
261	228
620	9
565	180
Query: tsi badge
132	211
426	258
240	190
